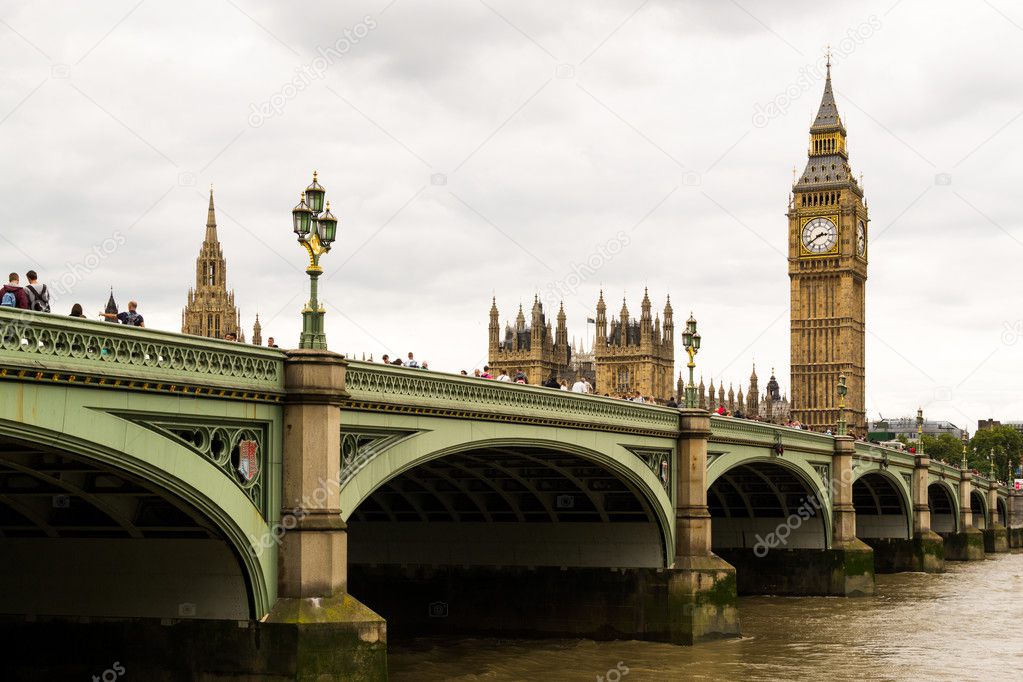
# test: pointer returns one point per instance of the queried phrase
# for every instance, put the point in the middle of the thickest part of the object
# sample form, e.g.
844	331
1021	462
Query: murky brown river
965	624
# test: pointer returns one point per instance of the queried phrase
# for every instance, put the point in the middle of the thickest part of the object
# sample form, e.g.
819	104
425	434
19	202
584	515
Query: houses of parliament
827	267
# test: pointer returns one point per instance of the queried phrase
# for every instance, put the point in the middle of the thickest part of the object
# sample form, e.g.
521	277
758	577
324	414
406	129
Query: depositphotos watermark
614	674
111	674
1012	332
310	72
780	535
809	74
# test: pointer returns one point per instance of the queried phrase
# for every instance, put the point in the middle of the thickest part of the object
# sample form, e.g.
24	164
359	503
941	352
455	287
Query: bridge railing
732	430
73	349
386	387
879	453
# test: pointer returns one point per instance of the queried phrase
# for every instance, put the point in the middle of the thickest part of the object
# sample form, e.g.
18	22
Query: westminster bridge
275	510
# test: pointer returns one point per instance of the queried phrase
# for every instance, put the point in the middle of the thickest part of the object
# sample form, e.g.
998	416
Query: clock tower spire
828	272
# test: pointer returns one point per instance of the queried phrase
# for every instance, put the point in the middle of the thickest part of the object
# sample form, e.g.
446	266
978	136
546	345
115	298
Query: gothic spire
827	113
211	220
494	315
111	308
257	333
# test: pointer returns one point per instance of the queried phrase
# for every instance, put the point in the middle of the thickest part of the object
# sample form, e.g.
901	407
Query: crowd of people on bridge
34	296
584	386
410	362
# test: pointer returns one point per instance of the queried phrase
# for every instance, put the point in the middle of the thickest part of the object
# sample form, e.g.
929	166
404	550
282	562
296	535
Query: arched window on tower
212	276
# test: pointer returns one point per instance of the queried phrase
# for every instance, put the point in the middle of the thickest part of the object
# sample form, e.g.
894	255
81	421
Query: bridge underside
881	509
512	531
943	509
771	524
79	538
883	522
752	501
978	509
522	506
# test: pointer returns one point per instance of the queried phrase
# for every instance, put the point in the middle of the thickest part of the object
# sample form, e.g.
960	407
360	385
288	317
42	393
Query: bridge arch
752	497
173	537
882	506
942	499
978	507
1003	512
436	500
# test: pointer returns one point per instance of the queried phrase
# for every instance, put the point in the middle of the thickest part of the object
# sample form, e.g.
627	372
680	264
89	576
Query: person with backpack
132	317
38	296
13	295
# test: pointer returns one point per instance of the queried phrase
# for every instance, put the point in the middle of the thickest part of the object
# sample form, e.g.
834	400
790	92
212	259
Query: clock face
820	235
861	238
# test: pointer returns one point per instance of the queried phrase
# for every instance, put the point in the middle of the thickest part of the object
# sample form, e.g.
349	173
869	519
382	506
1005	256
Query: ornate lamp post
316	229
691	342
920	431
991	462
966	442
842	391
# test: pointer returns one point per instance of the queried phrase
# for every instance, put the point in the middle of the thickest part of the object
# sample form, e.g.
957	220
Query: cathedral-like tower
828	273
210	310
752	397
536	349
635	355
257	332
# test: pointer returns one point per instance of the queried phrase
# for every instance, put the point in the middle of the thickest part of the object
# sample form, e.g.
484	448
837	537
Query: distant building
983	424
906	426
635	355
210	310
771	406
582	364
774	407
535	349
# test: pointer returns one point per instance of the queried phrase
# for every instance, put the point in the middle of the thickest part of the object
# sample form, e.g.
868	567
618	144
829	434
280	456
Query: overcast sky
477	148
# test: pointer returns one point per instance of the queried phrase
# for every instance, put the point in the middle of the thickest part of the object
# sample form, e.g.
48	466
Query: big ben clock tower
828	272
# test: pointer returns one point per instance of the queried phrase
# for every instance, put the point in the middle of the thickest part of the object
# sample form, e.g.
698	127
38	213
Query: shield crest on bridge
248	463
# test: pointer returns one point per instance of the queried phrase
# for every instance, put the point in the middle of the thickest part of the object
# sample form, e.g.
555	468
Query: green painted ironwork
218	441
471	397
38	341
90	423
760	434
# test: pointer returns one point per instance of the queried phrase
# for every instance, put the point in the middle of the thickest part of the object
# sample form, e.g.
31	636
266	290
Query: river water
963	624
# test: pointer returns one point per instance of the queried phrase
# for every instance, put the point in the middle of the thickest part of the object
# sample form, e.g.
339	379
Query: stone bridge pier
1014	518
334	634
967	542
701	586
996	534
927	553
